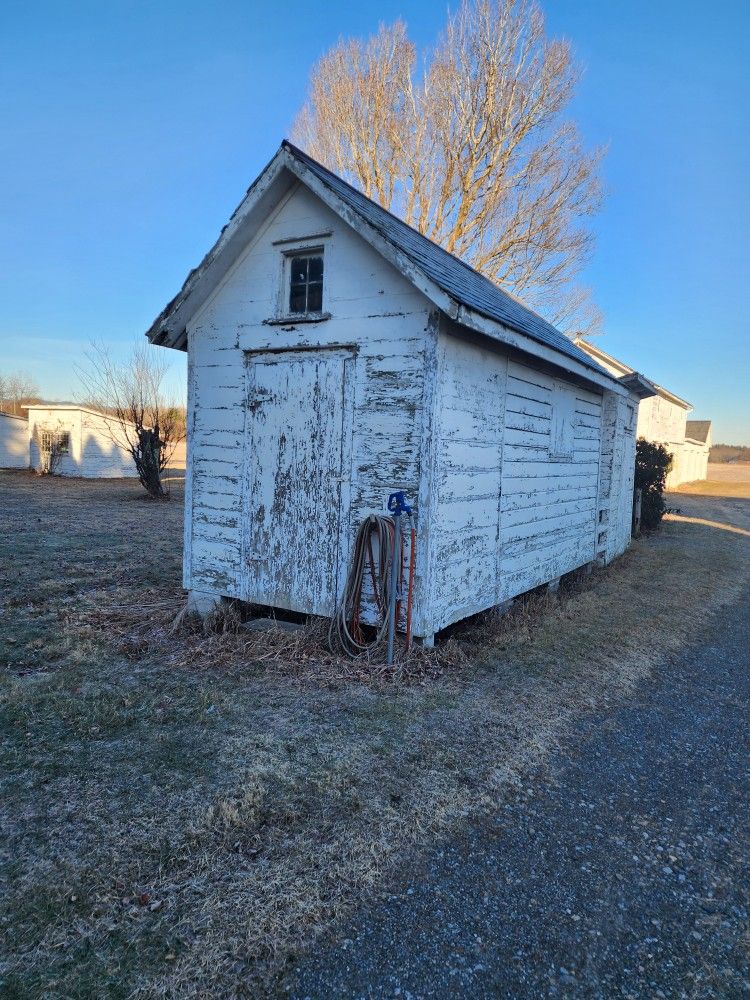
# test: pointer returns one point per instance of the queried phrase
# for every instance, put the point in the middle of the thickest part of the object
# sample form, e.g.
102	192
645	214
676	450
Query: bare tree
140	414
475	152
16	389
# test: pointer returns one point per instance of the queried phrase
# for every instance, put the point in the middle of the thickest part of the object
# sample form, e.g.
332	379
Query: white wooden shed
92	444
336	355
14	441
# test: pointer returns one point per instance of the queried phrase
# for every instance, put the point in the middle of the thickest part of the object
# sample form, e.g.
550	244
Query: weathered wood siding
509	511
548	503
617	464
14	442
465	521
387	326
505	461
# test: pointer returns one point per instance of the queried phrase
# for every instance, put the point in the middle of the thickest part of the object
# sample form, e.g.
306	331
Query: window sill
295	319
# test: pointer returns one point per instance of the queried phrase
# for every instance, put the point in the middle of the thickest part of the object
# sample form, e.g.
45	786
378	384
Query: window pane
297	298
316	269
315	297
299	269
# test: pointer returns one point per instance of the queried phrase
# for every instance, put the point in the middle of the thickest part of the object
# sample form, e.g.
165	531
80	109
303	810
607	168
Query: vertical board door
298	469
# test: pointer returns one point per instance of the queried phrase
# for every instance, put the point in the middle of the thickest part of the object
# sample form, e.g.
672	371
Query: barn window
562	423
306	283
57	440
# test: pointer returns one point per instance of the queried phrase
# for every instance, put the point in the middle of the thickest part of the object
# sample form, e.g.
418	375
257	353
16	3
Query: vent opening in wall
563	423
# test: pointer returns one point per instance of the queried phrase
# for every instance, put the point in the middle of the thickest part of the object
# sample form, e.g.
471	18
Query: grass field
185	815
730	479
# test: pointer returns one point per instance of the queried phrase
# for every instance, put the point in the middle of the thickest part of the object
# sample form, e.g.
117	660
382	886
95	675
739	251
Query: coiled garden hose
345	632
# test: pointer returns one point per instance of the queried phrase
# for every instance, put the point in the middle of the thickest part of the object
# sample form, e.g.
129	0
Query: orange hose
412	560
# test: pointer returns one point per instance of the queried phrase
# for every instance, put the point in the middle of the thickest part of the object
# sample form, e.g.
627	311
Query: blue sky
130	130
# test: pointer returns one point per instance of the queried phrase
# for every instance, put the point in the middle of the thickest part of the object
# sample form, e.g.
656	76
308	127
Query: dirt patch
184	823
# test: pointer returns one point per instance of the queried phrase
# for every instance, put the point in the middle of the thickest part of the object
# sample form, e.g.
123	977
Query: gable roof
698	430
457	289
624	371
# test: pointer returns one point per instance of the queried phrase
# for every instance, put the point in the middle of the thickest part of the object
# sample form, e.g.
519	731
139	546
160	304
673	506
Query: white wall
59	421
373	310
509	513
469	409
616	477
14	442
104	452
689	463
548	519
466	432
98	448
662	421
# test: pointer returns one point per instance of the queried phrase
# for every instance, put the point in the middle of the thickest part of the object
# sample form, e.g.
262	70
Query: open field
730	479
184	816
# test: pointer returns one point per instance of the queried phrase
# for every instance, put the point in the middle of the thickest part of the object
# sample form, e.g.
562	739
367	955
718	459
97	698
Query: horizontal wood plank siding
548	506
374	312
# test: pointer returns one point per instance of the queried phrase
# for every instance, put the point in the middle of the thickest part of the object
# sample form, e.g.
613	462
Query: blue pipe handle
397	503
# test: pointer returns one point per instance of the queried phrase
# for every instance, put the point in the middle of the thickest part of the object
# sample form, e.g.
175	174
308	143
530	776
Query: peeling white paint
297	432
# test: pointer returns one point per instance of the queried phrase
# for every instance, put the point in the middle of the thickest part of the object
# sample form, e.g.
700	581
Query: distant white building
662	418
14	442
695	451
89	443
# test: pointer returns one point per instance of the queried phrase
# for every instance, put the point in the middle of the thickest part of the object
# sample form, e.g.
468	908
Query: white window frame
54	437
304	248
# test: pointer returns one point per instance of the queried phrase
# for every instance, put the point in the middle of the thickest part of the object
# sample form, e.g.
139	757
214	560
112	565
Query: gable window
306	283
562	427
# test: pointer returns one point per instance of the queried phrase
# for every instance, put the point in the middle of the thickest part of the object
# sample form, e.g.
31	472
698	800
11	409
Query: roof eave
528	345
638	384
447	304
169	329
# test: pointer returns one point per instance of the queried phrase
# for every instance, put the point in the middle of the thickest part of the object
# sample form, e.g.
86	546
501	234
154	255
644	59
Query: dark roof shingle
698	430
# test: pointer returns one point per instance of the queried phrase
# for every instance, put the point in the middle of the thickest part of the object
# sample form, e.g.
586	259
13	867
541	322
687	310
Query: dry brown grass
731	479
189	813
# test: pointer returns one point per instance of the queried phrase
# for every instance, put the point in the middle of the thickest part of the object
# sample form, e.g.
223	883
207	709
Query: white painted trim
187	526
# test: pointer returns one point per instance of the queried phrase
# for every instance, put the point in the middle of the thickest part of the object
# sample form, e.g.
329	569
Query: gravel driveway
620	871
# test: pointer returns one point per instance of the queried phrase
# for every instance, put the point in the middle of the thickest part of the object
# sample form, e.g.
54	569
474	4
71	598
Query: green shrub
652	464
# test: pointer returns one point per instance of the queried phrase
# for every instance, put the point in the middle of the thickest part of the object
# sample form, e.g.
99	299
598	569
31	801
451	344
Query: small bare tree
475	152
17	389
139	413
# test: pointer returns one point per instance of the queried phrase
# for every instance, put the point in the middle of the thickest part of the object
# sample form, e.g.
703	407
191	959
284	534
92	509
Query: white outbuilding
335	356
662	419
14	442
88	443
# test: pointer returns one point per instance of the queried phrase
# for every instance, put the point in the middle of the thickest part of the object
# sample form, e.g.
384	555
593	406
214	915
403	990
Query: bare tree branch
16	390
477	153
